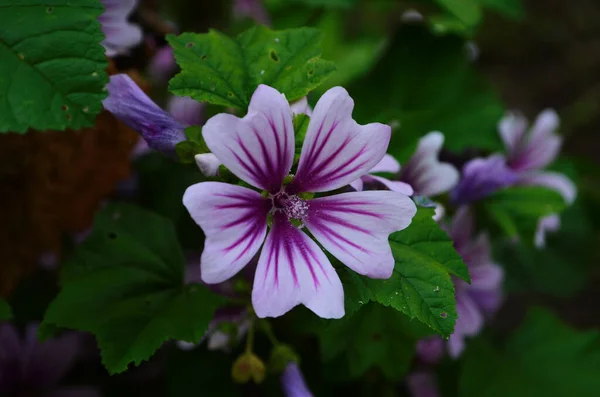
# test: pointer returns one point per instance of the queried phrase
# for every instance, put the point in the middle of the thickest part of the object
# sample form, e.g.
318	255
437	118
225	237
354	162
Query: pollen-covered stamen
292	206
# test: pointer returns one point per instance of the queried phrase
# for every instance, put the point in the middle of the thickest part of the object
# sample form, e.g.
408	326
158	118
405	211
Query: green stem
250	338
266	327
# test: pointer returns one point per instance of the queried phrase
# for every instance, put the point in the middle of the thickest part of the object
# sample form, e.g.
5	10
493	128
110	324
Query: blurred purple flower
422	384
529	152
186	110
32	368
430	350
389	165
251	9
132	106
293	383
121	35
482	177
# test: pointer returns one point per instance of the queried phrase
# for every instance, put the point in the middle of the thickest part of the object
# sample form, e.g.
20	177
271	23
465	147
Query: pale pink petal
550	223
469	323
545	126
293	270
440	212
487	276
512	128
234	220
186	110
395	186
552	180
387	164
354	227
358	184
337	150
424	172
463	226
208	163
301	106
258	148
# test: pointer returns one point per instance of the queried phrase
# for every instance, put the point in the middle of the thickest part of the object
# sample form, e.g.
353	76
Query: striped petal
337	150
293	270
234	220
395	186
354	227
512	128
552	180
258	148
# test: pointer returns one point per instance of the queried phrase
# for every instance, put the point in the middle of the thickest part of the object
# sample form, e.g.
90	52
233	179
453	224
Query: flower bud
281	356
248	366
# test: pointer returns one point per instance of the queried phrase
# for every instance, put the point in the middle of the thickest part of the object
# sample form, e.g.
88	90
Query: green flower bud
248	366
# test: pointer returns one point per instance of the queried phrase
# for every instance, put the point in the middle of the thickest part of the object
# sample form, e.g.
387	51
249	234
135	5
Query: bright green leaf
421	286
125	284
5	312
544	357
226	71
375	336
52	68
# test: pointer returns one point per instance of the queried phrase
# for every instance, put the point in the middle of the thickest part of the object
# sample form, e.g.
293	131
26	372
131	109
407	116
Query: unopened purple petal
293	270
132	106
208	163
293	383
234	220
481	178
258	148
186	110
354	227
424	172
337	150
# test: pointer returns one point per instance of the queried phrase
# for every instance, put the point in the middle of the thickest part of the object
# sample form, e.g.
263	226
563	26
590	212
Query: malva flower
474	301
293	383
354	227
529	152
32	368
120	34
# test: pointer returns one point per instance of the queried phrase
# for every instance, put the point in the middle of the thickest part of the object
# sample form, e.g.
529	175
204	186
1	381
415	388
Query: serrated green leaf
226	71
5	312
375	336
125	284
52	68
517	210
301	122
544	357
421	286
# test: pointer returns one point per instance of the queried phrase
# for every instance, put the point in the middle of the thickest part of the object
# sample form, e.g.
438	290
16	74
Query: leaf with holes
224	71
125	284
421	286
5	312
52	73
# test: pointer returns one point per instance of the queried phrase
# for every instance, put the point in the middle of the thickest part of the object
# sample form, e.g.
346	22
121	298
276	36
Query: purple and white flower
293	383
131	105
529	152
353	227
474	301
423	174
30	367
120	34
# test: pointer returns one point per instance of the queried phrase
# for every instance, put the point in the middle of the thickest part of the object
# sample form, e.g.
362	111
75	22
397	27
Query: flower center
293	206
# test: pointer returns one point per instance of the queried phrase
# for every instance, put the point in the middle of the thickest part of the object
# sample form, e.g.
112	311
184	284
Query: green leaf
52	73
421	286
426	83
375	336
468	11
226	71
510	8
301	122
516	210
188	149
125	284
326	3
5	313
544	357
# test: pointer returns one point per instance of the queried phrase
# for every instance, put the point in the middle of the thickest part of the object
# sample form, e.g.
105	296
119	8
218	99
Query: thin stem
250	338
266	327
